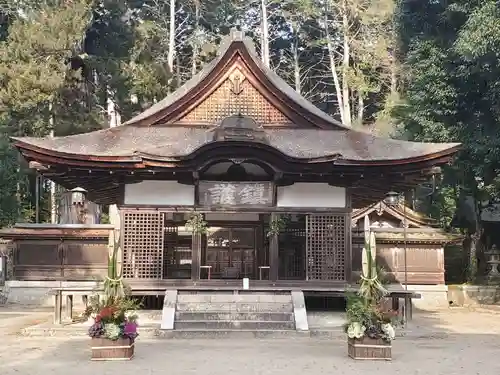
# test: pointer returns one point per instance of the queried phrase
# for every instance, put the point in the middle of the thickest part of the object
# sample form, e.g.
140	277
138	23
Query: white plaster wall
159	193
311	195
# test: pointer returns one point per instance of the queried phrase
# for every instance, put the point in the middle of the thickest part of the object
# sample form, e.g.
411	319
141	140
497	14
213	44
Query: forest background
426	70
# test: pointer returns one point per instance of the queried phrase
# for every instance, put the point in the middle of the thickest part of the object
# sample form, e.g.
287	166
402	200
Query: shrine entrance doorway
231	252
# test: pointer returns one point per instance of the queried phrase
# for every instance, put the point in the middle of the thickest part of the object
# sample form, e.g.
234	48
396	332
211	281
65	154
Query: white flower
388	329
111	331
355	330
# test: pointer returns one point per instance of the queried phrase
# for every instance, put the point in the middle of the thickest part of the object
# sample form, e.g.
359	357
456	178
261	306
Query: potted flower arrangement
370	329
369	326
114	328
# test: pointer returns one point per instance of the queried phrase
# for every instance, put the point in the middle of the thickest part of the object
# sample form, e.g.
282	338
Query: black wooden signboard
220	193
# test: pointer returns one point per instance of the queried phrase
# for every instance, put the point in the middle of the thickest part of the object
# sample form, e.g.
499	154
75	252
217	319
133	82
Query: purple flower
96	330
130	329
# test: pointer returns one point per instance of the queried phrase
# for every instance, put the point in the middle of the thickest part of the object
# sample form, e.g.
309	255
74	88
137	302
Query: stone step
231	334
234	324
234	298
235	307
224	315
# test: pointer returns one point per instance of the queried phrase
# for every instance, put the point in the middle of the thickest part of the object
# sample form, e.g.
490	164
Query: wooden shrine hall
269	179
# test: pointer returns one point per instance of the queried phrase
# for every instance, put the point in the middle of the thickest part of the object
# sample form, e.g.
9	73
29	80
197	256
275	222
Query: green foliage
277	225
364	312
33	57
363	318
358	309
196	223
9	178
119	305
452	64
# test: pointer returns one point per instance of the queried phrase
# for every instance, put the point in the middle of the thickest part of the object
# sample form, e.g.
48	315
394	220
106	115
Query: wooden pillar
196	241
349	276
273	254
196	257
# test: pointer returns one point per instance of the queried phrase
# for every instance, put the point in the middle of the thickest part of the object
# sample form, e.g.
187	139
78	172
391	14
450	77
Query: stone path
13	319
468	343
467	355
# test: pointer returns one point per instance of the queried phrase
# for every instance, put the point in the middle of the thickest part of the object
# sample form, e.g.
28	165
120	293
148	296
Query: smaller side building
399	229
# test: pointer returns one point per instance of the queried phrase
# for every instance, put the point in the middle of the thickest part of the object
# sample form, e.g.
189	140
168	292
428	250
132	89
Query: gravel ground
468	343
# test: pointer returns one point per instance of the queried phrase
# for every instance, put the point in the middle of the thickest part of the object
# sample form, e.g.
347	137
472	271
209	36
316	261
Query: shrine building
234	175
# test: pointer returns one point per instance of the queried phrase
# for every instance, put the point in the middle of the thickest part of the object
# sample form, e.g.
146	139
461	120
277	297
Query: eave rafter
105	184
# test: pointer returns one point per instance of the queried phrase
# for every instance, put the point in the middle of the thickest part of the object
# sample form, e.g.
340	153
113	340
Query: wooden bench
407	295
395	293
70	293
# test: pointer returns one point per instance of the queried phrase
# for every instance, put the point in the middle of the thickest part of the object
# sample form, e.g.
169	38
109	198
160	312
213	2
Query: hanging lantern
391	198
78	196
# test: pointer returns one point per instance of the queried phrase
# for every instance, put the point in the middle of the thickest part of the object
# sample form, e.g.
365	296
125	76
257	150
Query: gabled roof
236	52
398	212
420	228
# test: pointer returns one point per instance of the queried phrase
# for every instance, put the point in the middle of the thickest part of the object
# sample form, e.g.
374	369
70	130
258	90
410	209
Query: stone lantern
493	262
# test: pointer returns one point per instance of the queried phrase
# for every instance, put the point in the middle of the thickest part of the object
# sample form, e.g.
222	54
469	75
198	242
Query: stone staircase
202	313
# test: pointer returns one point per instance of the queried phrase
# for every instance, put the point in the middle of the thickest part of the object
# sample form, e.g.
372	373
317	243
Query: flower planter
367	348
104	349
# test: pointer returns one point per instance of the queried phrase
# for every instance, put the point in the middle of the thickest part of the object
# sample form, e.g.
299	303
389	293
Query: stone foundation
432	297
36	293
466	295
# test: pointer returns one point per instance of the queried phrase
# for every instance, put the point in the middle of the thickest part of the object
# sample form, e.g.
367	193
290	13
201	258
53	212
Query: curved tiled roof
147	135
177	142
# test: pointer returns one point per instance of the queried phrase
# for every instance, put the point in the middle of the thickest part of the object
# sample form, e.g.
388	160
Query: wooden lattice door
142	244
326	247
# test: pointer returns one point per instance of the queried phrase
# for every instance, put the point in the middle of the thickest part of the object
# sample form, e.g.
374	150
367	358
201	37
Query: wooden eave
413	236
141	160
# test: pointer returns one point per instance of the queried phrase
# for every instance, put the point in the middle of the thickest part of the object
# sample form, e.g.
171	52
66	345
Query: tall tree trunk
333	70
265	34
296	65
394	78
345	64
196	47
361	108
53	200
171	39
178	78
475	242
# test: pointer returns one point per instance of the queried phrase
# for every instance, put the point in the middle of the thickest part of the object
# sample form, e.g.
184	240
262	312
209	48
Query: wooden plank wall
425	261
67	259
